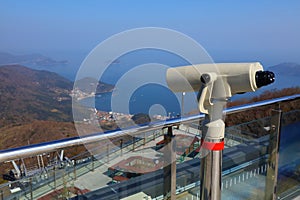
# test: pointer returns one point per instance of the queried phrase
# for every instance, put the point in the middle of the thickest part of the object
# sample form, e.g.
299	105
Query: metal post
274	145
93	165
39	165
24	170
1	195
54	175
31	192
211	172
182	103
107	153
212	149
74	170
170	166
42	162
121	146
65	188
133	143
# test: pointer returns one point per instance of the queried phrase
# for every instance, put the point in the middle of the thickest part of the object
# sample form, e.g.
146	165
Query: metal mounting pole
212	145
212	100
169	166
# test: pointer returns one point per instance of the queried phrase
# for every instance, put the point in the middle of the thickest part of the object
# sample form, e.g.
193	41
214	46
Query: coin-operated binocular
221	80
216	83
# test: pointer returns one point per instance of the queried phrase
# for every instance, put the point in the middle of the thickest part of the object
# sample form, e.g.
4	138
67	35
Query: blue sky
266	31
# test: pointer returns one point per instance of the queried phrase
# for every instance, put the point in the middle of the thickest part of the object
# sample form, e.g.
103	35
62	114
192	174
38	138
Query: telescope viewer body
215	84
235	77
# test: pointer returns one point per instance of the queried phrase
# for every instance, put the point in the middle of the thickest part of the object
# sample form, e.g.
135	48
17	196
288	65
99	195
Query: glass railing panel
257	179
289	157
106	157
138	166
250	179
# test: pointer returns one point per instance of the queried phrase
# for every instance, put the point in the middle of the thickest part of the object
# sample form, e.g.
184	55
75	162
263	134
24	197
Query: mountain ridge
27	94
28	59
286	68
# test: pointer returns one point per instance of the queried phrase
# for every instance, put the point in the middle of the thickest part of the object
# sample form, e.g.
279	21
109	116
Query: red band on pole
213	146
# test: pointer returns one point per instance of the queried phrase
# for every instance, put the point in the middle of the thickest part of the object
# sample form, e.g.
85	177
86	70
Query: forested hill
27	94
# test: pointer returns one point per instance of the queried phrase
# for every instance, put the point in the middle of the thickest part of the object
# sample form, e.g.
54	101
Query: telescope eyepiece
205	78
263	78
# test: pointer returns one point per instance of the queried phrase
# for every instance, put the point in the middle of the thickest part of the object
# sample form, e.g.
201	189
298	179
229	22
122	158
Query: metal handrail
36	149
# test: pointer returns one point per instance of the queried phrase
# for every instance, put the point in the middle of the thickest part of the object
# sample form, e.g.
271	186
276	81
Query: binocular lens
264	78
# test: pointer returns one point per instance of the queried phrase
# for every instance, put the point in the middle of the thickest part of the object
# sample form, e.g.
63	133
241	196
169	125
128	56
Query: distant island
28	60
